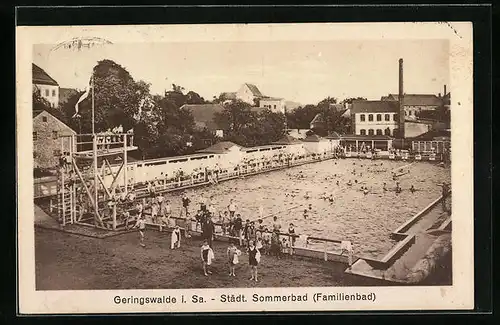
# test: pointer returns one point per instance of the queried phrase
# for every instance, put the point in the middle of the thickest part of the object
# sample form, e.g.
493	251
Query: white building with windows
48	87
248	93
375	117
276	105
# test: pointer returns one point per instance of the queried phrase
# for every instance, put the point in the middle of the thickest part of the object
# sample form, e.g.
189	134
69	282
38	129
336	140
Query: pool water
364	219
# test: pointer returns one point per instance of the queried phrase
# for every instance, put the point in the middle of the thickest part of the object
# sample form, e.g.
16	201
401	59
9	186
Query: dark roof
65	94
374	106
318	119
365	137
433	134
220	147
41	77
417	99
287	139
204	114
270	98
255	91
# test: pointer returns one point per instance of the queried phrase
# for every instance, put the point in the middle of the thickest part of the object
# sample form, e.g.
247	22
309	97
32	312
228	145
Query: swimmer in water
306	196
412	189
384	187
305	214
337	183
349	183
330	198
310	206
365	191
356	181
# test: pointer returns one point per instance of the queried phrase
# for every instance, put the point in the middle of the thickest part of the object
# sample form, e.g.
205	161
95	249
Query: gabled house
47	144
249	93
48	87
276	105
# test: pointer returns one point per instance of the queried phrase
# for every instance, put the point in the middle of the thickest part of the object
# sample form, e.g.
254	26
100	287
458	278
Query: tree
301	117
270	126
194	98
327	102
41	104
235	117
351	99
117	98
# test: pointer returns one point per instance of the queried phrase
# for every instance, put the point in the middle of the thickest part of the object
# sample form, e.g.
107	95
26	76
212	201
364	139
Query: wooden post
114	216
324	250
125	163
290	238
63	205
96	186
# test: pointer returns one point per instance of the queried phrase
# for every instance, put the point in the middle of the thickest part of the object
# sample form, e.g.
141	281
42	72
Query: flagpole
92	86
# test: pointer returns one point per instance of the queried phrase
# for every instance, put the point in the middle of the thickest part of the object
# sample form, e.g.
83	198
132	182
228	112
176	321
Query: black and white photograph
238	159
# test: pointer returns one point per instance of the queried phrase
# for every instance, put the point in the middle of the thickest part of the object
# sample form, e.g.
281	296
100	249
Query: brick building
47	130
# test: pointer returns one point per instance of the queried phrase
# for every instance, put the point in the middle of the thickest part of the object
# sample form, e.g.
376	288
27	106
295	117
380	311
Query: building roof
220	147
36	114
265	146
263	99
318	119
433	134
65	94
334	135
255	91
374	106
40	77
287	139
417	99
204	114
365	137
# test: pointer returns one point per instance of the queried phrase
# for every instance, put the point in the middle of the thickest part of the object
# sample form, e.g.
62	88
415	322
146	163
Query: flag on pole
82	98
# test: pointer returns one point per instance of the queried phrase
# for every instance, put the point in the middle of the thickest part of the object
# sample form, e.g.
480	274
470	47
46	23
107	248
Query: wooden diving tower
86	193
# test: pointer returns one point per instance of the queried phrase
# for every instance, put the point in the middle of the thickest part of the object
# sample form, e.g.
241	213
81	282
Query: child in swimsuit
205	251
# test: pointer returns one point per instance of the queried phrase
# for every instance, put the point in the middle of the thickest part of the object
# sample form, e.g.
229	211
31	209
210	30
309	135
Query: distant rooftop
417	99
40	77
374	106
255	91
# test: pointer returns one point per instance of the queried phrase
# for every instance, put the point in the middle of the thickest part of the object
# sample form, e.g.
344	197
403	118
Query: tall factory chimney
401	102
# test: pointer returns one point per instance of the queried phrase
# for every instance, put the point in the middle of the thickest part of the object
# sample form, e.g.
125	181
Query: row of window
269	106
377	132
387	117
47	93
55	135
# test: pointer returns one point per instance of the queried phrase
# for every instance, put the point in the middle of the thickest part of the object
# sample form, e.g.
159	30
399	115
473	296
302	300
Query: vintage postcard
245	167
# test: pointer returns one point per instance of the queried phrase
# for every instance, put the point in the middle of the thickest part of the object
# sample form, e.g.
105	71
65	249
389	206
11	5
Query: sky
300	71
